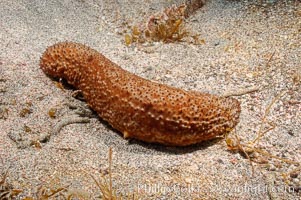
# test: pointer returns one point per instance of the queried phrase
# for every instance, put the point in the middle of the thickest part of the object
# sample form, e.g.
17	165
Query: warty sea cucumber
139	108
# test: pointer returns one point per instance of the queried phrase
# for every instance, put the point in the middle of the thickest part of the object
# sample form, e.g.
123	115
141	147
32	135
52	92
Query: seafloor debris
166	26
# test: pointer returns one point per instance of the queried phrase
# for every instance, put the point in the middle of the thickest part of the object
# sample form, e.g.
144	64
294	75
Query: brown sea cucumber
139	108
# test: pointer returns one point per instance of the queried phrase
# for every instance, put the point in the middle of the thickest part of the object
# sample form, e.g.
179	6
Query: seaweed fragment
167	26
6	190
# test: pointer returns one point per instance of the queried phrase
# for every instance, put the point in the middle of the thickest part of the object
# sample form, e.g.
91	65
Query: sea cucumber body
139	108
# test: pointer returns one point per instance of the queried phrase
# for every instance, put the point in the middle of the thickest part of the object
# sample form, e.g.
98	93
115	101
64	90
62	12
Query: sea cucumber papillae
139	108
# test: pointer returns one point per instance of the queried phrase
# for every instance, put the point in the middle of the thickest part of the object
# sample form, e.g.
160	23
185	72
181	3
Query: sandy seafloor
246	44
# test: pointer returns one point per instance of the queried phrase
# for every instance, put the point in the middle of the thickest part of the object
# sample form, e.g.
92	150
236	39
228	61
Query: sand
245	44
